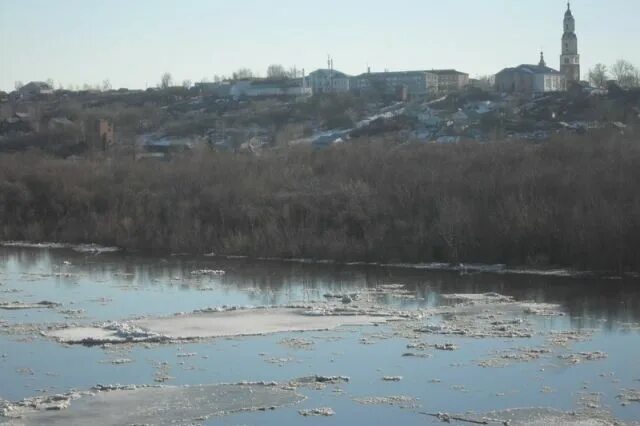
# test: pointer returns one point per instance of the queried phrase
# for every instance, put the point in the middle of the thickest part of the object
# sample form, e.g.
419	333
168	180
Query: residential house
33	90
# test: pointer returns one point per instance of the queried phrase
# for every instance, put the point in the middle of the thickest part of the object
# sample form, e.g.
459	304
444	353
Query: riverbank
565	203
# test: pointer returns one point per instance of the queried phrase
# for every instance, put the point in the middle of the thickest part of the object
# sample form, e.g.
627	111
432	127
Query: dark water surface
118	286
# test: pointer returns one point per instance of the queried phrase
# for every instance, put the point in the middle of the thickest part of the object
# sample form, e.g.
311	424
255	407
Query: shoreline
461	267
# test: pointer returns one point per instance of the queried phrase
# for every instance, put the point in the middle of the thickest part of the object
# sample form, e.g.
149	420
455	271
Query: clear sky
132	42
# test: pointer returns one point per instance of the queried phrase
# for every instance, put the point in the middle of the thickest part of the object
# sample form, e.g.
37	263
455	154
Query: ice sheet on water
81	248
217	323
158	405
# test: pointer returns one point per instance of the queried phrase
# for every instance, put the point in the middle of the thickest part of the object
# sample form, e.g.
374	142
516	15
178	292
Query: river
591	372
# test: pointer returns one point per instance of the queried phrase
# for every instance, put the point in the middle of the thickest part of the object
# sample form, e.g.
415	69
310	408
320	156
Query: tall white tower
570	59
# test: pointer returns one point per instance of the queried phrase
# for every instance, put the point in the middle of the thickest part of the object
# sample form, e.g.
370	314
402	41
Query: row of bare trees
568	202
105	86
624	72
274	71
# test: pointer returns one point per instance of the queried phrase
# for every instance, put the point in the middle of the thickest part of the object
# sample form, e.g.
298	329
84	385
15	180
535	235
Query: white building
531	79
256	88
328	81
535	79
416	83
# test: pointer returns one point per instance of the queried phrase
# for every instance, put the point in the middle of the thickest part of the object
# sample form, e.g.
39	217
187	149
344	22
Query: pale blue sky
132	42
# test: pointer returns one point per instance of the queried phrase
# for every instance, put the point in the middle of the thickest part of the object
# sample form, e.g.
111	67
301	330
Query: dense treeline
568	202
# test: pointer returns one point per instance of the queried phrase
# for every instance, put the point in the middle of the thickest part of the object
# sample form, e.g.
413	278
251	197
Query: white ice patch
214	323
158	405
81	248
24	305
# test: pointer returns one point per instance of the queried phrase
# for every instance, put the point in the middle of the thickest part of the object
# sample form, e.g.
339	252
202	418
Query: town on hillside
527	102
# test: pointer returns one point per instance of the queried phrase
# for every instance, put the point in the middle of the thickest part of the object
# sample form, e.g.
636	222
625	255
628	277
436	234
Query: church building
539	79
530	79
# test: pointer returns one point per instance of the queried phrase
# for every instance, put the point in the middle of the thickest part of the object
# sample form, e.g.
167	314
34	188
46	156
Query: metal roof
532	69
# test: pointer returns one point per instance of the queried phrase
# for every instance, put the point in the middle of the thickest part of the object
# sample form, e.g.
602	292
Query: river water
96	288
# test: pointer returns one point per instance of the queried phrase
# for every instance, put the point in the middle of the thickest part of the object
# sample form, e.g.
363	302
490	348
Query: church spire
542	61
570	58
568	14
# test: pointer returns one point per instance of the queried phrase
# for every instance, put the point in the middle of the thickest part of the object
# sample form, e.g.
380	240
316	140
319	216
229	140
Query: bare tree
18	85
51	83
186	84
106	85
626	74
242	73
276	71
166	80
598	76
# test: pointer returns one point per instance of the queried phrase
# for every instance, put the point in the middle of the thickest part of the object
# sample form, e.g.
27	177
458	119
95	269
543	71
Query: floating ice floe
215	323
158	405
395	400
27	305
81	248
208	272
530	417
627	396
583	356
324	411
478	298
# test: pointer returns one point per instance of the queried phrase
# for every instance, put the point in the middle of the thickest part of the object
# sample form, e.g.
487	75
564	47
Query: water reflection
591	303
